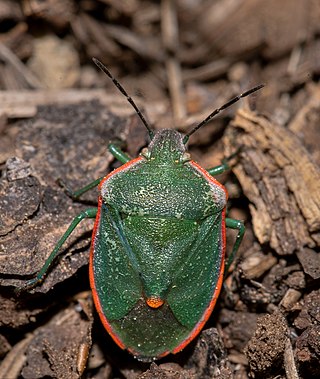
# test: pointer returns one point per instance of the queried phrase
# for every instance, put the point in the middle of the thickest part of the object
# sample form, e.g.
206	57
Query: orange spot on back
154	302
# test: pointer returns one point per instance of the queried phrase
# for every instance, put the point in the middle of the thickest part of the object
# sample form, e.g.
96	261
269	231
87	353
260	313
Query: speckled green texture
159	234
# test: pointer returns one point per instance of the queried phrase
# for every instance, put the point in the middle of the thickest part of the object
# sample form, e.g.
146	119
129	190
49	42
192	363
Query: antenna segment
218	110
123	91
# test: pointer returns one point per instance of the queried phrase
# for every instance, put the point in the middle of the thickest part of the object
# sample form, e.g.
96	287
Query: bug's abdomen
129	266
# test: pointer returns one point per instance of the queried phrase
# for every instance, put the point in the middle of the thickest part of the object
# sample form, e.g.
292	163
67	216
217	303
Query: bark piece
19	200
306	122
309	314
310	261
68	142
307	352
281	181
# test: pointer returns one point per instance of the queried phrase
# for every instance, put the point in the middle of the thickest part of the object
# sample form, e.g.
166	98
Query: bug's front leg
235	224
88	213
116	151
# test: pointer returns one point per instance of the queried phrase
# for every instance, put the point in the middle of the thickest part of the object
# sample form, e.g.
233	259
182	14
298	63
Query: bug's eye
186	157
145	153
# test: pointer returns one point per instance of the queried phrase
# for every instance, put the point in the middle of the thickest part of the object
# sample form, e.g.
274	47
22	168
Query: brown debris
25	77
170	40
158	372
56	12
5	346
266	348
238	328
257	264
209	359
309	314
251	25
55	62
289	363
14	361
290	299
306	122
59	342
307	352
310	261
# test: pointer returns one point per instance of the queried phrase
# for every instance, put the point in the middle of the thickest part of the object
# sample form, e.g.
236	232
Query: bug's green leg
76	194
88	213
219	169
224	166
234	224
116	151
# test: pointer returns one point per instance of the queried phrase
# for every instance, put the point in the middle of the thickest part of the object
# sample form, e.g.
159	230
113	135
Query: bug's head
167	147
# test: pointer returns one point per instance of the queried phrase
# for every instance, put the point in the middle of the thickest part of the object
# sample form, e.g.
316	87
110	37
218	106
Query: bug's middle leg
224	166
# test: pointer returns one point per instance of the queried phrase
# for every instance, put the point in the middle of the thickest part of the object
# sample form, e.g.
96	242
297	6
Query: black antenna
123	91
218	110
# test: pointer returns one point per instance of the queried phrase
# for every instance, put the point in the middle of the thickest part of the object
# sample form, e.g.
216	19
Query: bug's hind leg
234	224
88	213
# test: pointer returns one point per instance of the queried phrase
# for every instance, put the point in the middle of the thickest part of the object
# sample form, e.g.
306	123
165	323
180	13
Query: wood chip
280	180
289	364
13	362
290	299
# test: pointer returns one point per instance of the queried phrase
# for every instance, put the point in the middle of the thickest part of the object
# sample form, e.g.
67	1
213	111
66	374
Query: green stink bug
157	255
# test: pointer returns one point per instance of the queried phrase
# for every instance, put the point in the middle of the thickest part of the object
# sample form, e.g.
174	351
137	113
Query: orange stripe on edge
197	329
119	169
96	299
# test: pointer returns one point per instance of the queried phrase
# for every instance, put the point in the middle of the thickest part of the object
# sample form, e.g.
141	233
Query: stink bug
157	254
